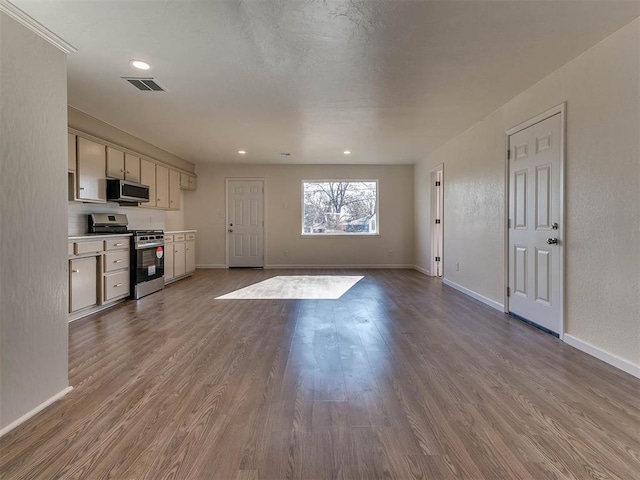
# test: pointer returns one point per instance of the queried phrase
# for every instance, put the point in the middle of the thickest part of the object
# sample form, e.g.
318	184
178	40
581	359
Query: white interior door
437	226
535	233
245	223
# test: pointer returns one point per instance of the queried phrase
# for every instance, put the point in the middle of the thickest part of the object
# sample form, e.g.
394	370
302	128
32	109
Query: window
340	207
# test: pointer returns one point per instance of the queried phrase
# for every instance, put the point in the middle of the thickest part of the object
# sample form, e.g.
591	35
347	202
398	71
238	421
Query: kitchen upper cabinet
174	190
162	187
115	163
148	177
187	182
132	168
71	152
83	273
91	166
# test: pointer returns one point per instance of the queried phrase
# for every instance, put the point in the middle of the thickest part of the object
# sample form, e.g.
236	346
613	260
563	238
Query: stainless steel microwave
123	191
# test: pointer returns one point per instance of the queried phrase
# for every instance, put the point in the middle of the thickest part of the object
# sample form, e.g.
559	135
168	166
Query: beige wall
205	211
33	221
602	243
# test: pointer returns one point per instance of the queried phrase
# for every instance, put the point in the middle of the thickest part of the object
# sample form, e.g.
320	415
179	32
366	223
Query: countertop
98	235
171	232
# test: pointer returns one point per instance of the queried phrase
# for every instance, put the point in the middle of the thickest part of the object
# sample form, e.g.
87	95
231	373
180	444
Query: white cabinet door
71	152
174	190
148	177
168	261
162	187
91	171
132	168
115	163
179	259
190	255
82	283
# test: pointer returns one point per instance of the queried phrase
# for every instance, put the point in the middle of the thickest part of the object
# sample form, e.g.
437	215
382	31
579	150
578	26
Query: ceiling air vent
145	84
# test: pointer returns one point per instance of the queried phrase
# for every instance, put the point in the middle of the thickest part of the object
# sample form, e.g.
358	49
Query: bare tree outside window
340	207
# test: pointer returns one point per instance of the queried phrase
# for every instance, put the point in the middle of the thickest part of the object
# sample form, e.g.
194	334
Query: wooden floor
401	378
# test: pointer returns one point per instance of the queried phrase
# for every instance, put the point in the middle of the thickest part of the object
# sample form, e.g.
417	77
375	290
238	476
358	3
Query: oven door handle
149	245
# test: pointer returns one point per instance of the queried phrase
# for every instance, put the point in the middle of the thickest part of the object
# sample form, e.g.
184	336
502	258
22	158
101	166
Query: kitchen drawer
178	237
89	247
117	244
70	248
191	236
116	260
116	285
168	239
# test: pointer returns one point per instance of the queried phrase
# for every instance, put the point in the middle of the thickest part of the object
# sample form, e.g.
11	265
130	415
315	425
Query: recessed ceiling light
140	64
347	152
242	152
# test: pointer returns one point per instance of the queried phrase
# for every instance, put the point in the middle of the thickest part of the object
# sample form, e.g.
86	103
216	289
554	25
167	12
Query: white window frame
334	235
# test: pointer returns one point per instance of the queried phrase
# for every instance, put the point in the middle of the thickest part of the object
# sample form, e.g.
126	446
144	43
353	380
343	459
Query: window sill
339	235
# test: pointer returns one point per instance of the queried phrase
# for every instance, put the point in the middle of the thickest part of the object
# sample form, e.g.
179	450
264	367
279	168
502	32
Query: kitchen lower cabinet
83	281
180	255
190	256
168	258
98	273
179	260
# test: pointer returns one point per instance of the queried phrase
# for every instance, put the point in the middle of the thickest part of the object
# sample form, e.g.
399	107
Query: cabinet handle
122	170
117	261
118	244
75	271
81	188
128	171
117	285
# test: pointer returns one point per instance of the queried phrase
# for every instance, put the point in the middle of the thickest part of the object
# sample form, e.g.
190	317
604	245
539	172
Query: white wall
602	247
33	221
205	211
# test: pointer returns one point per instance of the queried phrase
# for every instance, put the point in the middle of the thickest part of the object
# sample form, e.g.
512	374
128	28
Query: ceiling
389	80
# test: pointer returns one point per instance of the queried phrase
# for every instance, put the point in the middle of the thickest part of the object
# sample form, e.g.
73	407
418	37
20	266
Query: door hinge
437	259
508	291
509	154
437	221
437	184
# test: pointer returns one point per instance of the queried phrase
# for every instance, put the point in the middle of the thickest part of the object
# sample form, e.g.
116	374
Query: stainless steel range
147	252
147	262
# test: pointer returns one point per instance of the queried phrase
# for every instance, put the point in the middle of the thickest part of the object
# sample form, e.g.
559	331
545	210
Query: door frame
562	110
226	216
432	209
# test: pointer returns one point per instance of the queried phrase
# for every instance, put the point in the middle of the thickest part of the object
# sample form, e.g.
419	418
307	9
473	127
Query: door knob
231	230
552	241
554	226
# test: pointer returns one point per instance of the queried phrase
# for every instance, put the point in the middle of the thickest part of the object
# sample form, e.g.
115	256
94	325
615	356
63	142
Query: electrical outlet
390	253
457	267
285	253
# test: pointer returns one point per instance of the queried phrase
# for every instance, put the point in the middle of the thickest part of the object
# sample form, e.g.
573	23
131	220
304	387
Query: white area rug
296	287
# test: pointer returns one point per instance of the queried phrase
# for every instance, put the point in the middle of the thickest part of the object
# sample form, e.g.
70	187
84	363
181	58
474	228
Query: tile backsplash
139	217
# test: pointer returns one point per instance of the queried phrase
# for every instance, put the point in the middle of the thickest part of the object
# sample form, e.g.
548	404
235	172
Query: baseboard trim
324	267
422	270
472	294
610	358
206	266
35	411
